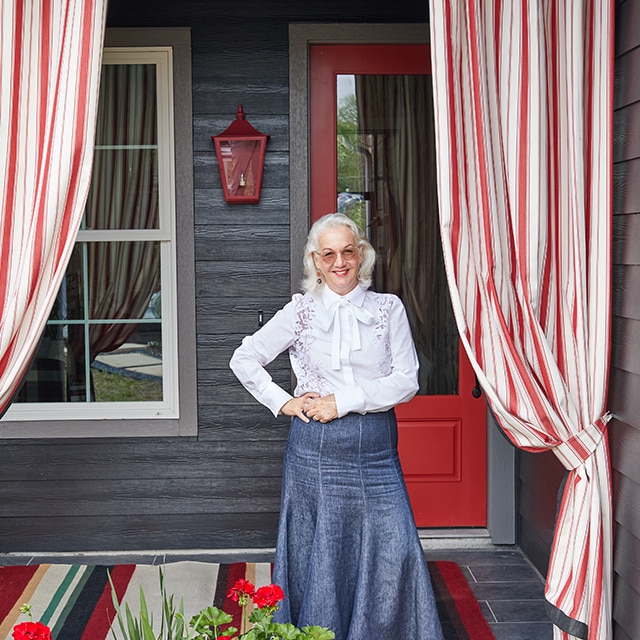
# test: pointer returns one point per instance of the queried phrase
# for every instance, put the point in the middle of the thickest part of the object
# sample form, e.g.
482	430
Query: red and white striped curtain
523	95
50	55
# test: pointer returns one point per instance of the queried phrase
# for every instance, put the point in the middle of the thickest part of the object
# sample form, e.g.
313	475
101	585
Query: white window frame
108	419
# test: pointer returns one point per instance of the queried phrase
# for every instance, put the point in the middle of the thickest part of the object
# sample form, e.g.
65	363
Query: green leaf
285	631
319	633
146	627
132	625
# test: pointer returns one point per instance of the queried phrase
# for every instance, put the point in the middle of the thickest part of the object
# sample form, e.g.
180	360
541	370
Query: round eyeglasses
328	256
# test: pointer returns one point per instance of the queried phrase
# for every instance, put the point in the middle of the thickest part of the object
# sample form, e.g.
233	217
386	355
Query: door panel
373	156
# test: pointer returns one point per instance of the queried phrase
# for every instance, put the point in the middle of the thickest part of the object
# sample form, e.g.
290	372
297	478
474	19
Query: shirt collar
331	298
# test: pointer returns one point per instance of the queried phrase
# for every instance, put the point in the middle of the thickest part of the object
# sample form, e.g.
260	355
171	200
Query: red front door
372	156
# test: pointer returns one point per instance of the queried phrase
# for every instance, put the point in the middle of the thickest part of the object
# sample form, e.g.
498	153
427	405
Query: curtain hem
561	620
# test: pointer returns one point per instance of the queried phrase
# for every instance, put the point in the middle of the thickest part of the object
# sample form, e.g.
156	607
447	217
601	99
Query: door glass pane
387	183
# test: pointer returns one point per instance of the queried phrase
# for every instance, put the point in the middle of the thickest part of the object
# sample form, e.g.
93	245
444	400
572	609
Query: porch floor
509	589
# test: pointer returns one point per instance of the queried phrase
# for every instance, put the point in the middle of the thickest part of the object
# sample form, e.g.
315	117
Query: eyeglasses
329	256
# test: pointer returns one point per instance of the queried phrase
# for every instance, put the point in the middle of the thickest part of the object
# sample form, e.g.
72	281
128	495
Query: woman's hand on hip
322	409
296	406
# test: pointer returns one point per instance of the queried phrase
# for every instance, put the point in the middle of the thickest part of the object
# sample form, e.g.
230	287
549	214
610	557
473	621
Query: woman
348	556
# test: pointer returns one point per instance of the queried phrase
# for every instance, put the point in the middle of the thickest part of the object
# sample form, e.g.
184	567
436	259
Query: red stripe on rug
464	601
100	621
237	570
13	581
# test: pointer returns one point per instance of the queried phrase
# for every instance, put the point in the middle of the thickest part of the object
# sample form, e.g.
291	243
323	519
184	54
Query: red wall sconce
240	149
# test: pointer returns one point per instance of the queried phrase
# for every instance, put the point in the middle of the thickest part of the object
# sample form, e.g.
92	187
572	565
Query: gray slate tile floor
510	591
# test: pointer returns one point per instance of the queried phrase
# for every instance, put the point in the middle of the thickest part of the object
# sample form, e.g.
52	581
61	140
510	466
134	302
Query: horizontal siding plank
273	208
238	280
626	238
625	449
135	459
142	496
540	475
626	138
118	532
241	317
627	20
618	632
262	96
257	243
626	301
624	398
233	393
626	187
250	423
627	507
625	338
627	78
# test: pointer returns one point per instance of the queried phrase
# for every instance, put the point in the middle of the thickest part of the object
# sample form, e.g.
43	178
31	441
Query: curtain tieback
578	448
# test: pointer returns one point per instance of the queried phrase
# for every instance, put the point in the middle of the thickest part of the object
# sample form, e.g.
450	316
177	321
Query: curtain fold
524	141
51	54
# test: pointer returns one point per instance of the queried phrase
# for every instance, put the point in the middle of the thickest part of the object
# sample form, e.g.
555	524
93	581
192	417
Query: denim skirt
348	555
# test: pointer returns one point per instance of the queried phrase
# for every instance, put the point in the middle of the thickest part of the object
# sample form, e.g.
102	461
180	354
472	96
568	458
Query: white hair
329	221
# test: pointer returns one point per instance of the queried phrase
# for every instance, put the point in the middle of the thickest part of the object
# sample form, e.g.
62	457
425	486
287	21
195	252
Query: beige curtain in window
122	276
395	114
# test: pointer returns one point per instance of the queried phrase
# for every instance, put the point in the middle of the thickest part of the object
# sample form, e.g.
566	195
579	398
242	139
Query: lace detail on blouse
305	367
381	332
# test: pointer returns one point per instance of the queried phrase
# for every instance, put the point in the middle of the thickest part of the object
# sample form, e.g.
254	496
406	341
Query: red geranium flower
241	591
225	638
268	596
31	631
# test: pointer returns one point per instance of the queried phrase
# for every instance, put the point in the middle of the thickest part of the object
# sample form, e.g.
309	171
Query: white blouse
358	347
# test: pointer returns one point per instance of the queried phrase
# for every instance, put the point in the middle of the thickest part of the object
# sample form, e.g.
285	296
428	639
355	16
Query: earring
319	280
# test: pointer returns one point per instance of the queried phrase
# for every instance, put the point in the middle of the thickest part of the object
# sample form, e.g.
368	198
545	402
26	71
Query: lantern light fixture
241	149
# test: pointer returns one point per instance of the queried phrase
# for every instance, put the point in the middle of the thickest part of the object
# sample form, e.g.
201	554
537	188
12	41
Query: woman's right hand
294	407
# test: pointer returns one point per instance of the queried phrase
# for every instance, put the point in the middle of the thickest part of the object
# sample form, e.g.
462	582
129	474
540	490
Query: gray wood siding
539	478
220	489
624	395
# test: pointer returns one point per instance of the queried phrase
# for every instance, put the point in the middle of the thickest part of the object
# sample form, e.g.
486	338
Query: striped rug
75	600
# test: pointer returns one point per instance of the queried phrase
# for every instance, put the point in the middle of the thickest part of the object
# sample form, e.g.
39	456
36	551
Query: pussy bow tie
353	315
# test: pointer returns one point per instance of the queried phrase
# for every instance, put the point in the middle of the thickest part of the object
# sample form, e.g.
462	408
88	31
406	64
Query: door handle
476	392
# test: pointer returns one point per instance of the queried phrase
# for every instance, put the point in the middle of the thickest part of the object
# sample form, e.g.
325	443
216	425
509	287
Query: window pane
124	185
122	278
106	286
131	372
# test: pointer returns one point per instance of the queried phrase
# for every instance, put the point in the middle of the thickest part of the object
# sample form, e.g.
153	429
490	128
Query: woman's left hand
321	409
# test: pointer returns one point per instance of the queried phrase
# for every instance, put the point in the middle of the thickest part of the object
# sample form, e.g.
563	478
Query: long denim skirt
348	555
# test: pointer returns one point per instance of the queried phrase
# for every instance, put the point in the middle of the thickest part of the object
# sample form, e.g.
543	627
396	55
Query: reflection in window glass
124	183
387	184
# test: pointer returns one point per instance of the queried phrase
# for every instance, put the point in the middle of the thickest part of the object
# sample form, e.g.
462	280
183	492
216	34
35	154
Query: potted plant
213	623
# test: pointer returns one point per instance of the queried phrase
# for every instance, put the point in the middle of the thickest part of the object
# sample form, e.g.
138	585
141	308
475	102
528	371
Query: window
112	349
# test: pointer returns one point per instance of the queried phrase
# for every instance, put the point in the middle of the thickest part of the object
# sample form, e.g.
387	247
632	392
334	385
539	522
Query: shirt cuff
274	397
350	400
